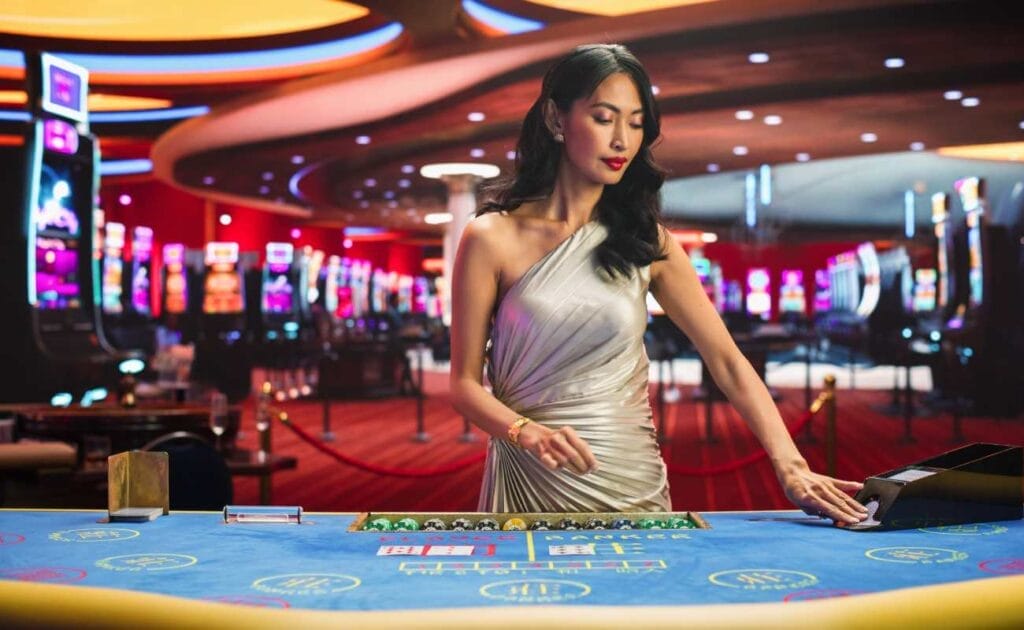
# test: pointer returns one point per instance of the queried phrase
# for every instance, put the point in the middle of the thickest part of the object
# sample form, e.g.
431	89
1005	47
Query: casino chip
434	525
596	523
461	524
378	525
677	522
568	523
514	525
622	523
540	525
487	525
651	523
407	525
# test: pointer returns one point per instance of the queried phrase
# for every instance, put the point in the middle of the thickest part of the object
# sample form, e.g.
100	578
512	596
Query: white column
461	205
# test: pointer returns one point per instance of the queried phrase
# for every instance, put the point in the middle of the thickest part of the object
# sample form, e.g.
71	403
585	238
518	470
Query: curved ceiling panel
180	20
615	7
221	67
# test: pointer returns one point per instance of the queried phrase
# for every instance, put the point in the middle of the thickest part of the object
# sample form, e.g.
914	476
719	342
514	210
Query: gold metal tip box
137	479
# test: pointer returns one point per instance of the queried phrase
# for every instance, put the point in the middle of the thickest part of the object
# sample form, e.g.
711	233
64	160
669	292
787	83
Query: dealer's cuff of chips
516	427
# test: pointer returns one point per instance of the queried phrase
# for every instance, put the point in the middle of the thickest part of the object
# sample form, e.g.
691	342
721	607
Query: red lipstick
614	163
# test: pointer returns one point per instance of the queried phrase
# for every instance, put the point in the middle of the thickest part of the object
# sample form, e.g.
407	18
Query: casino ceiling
326	109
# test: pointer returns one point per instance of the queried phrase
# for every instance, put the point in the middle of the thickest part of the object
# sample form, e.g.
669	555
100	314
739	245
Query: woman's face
603	132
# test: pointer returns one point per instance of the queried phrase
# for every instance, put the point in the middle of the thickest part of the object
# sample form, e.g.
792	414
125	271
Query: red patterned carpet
380	432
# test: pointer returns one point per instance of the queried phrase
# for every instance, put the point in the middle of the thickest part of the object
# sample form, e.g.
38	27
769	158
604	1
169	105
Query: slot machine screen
277	283
331	285
759	296
113	268
142	256
176	280
57	238
925	290
822	291
222	291
969	190
791	293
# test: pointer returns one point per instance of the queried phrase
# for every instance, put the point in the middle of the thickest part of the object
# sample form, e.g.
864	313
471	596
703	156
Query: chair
198	476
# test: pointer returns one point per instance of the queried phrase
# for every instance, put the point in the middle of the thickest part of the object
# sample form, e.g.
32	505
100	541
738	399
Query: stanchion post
421	429
328	434
830	425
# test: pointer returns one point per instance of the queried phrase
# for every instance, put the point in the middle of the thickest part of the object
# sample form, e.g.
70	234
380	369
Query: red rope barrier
718	469
473	459
381	470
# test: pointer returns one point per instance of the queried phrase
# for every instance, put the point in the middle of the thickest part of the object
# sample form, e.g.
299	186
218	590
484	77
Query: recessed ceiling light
298	159
714	168
477	152
364	204
347	243
225	219
952	95
209	179
404	183
917	146
1021	124
362	139
655	90
758	57
437	218
267	176
408	169
803	157
868	137
740	150
744	114
970	101
357	194
476	116
511	155
370	182
773	119
895	62
264	190
389	194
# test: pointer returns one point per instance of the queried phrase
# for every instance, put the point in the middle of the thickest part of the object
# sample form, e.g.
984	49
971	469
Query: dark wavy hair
629	209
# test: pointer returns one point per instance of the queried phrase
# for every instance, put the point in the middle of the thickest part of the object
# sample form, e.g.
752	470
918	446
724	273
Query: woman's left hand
820	495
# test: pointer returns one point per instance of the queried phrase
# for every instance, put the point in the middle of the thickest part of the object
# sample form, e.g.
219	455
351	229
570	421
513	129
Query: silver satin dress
567	349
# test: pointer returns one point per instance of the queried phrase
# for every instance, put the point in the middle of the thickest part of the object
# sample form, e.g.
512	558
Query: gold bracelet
516	427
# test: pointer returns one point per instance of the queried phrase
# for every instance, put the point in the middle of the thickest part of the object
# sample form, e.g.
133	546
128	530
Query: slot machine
792	300
925	292
174	293
127	291
53	337
140	281
223	353
759	296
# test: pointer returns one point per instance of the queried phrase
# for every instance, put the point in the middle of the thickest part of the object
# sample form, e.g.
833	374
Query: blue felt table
744	557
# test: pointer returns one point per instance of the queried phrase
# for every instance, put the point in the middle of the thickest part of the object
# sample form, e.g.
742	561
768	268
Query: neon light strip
499	20
148	115
6	114
126	167
34	174
220	62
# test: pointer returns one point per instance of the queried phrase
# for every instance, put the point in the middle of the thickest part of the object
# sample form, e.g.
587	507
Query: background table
773	559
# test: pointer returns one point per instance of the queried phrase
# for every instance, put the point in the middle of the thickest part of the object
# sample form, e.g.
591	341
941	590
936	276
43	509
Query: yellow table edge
985	603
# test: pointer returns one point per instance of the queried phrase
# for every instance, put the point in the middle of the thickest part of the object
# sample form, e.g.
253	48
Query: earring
559	138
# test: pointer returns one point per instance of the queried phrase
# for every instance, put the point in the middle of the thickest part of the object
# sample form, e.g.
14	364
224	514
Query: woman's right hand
561	448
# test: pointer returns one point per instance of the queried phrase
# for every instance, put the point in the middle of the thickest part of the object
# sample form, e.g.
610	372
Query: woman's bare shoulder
491	228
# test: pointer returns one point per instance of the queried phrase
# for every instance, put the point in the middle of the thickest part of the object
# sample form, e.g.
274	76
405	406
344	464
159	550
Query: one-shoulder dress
566	349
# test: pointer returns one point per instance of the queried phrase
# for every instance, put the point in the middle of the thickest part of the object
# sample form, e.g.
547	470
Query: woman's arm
474	295
676	287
